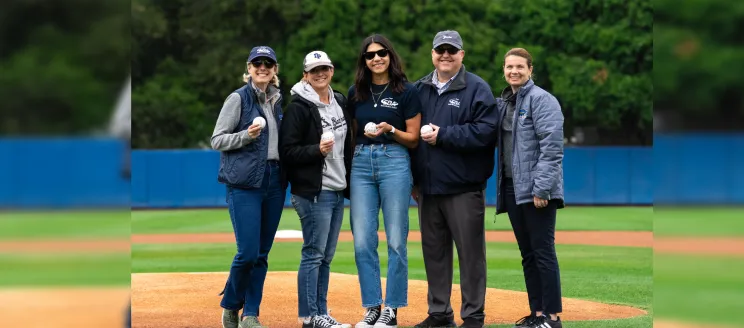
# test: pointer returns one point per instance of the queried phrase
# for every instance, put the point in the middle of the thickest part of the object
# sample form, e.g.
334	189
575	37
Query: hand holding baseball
431	137
254	130
384	127
372	130
326	146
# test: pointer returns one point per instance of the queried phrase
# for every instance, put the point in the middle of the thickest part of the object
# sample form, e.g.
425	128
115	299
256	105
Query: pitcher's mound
169	300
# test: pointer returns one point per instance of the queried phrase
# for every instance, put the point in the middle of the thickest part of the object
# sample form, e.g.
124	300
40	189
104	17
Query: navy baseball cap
262	51
448	37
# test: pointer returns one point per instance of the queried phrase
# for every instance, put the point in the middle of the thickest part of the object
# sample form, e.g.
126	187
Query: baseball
426	129
328	135
260	121
370	128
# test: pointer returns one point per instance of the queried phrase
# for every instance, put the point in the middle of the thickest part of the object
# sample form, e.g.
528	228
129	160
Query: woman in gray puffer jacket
530	175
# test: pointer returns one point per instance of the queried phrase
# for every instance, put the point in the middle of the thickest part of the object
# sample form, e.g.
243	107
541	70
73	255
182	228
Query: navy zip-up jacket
463	158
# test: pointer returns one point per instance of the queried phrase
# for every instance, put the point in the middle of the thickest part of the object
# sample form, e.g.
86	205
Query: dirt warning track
598	238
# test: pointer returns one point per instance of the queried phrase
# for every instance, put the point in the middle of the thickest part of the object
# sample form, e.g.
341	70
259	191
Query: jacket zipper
514	136
499	178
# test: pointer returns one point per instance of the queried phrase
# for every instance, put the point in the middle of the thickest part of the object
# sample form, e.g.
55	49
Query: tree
594	56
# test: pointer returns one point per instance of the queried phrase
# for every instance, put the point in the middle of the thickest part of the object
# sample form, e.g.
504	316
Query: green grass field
65	225
615	275
218	220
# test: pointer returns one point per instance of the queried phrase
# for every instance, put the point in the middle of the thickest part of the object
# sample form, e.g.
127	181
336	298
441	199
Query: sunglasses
268	63
369	55
449	50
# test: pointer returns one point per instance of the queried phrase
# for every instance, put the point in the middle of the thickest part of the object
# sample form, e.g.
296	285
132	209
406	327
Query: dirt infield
164	300
603	238
718	246
63	307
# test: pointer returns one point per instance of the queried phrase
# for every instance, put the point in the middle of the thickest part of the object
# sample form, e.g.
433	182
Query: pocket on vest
240	169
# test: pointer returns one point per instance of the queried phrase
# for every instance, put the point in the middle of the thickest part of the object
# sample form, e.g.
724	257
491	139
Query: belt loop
315	199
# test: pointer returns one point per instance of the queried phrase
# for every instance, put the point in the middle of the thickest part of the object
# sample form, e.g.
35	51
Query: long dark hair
363	78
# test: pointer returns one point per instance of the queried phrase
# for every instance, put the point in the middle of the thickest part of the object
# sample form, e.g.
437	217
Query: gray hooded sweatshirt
332	118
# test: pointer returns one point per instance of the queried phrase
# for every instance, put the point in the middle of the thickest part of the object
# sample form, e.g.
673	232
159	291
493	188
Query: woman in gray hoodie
315	145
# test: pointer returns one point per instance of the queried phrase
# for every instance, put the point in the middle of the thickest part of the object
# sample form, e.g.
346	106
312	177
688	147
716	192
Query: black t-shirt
392	108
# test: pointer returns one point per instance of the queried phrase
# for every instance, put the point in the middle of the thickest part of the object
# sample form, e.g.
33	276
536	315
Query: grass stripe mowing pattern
218	220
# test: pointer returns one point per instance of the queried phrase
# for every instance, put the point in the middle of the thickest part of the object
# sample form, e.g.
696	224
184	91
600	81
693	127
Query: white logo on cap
446	37
263	50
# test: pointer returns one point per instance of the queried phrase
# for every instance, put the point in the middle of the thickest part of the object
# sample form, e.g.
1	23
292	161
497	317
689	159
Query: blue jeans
255	217
321	223
381	178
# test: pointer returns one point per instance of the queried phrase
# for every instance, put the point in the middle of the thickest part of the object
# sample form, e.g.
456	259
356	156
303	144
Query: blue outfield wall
187	178
63	173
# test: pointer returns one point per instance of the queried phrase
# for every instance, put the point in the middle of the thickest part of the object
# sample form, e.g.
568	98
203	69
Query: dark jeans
534	229
321	219
442	220
255	217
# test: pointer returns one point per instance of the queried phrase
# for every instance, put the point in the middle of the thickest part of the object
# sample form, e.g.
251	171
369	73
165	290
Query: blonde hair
274	80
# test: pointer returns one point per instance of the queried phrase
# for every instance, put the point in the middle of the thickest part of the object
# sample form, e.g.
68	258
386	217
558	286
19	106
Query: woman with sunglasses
316	149
247	135
387	110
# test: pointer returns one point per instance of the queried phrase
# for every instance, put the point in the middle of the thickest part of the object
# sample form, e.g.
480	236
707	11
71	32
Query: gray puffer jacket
537	161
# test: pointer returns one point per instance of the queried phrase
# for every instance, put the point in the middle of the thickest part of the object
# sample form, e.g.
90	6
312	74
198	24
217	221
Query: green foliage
167	113
62	65
594	56
697	61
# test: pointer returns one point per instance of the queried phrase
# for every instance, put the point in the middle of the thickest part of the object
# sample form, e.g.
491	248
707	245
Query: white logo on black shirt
454	102
389	103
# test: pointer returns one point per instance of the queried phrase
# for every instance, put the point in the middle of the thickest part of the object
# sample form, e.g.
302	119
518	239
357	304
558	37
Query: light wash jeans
381	178
321	219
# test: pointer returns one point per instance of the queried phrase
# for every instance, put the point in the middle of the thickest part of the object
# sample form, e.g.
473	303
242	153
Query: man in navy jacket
450	171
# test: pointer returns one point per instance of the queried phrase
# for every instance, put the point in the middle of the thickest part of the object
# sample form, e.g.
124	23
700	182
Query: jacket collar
457	84
271	95
525	88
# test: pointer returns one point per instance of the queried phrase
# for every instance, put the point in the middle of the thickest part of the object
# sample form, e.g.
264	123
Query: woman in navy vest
247	134
386	109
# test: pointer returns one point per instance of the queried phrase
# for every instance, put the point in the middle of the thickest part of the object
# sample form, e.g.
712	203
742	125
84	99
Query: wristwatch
392	131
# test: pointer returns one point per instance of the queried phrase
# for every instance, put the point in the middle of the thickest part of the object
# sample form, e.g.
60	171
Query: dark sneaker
230	318
321	321
545	322
387	318
525	322
471	323
335	322
370	318
437	322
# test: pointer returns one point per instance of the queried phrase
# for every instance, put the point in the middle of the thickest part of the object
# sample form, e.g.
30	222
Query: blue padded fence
187	178
85	173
